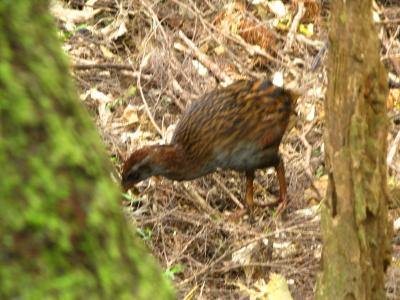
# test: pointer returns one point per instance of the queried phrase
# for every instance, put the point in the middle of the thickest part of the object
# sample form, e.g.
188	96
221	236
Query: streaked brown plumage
238	127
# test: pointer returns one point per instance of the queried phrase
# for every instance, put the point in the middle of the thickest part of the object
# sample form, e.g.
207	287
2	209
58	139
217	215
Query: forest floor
139	63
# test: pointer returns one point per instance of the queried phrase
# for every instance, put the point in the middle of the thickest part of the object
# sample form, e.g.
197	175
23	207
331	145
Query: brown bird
238	127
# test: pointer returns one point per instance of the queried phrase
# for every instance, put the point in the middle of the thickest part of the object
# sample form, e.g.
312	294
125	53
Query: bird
237	127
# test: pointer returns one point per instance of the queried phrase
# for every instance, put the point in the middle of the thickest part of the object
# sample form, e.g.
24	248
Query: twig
232	196
155	18
177	88
221	75
232	266
308	147
107	66
306	163
144	61
313	43
86	66
210	266
295	24
390	56
251	49
192	292
199	201
389	21
392	39
184	248
146	106
206	268
317	59
393	149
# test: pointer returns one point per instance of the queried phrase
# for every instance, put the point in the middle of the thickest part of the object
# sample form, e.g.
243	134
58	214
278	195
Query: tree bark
62	232
354	220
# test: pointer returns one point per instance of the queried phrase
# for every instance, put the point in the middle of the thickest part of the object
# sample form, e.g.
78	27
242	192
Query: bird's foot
281	208
279	204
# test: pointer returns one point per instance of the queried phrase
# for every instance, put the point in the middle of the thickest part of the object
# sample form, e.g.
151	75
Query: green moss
62	234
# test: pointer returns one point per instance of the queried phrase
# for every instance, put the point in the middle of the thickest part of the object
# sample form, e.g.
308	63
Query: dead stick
295	24
199	201
393	149
203	58
146	106
232	196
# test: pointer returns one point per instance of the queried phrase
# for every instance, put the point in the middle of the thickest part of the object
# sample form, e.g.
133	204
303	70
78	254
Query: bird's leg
280	171
249	200
249	191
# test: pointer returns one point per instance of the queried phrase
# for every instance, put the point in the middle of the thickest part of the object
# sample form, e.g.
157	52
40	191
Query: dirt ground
139	63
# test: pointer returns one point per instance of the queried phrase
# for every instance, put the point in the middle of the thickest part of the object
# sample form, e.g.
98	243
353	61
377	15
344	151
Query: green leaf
170	272
307	30
145	233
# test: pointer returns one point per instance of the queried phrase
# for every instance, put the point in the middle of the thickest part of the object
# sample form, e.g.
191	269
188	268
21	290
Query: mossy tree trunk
355	227
62	233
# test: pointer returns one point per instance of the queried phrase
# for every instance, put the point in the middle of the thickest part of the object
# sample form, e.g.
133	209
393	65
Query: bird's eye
132	176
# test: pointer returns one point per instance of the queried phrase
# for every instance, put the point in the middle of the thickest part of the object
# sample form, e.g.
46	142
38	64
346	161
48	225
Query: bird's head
137	167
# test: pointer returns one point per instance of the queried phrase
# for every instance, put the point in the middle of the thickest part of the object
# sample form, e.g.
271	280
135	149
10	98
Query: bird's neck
169	161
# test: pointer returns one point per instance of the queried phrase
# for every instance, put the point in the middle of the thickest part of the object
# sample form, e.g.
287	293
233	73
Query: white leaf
99	96
311	114
200	68
278	8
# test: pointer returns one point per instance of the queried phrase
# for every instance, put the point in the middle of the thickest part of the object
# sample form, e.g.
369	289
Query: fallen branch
198	201
306	162
146	105
205	60
295	24
108	66
232	196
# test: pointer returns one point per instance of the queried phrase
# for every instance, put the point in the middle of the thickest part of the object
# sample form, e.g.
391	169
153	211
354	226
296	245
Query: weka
238	127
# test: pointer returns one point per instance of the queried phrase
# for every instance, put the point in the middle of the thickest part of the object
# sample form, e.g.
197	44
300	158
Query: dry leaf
243	255
277	288
72	16
283	249
254	252
99	96
106	52
102	101
321	185
116	29
121	30
169	133
311	114
219	50
375	17
130	114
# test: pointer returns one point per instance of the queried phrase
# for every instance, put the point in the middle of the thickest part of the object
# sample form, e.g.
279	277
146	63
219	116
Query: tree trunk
62	232
355	227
